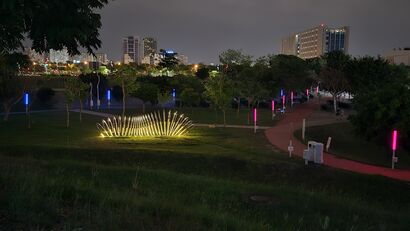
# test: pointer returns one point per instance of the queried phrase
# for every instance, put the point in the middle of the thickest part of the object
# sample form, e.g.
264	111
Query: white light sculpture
156	124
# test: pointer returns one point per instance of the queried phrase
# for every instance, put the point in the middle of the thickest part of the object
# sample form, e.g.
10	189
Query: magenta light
283	101
307	92
273	105
317	90
255	115
394	143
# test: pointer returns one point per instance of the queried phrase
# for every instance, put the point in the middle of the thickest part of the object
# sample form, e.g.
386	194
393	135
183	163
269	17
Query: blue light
281	92
170	52
174	94
109	95
26	99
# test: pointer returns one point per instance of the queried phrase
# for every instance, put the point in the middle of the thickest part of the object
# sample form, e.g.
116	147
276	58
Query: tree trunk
123	99
224	113
334	104
81	111
68	116
7	110
239	107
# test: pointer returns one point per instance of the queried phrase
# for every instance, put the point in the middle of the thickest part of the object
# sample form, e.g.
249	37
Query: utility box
314	153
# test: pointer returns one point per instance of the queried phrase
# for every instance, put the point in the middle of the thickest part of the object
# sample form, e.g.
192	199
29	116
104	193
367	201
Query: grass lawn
350	146
212	116
213	179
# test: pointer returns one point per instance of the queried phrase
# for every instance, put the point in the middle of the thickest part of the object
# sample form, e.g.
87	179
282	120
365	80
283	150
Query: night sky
201	29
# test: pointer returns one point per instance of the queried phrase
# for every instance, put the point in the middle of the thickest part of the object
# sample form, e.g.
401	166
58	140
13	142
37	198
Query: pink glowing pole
317	90
307	94
273	109
283	102
291	98
255	119
394	147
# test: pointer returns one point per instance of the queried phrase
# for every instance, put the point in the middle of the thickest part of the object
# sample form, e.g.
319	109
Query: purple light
255	115
291	96
394	143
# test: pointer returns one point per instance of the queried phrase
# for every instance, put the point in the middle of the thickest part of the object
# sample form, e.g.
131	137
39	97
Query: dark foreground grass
201	182
345	143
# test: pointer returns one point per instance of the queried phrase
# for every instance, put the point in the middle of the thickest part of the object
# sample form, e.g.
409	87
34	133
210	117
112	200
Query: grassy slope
348	145
52	177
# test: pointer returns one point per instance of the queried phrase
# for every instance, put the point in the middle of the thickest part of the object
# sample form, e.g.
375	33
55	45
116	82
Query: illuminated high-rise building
150	46
316	41
131	47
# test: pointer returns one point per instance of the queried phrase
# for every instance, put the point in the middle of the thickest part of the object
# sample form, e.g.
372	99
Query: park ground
56	178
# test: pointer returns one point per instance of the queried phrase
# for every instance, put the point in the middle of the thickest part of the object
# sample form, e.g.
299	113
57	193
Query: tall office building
150	46
131	50
316	41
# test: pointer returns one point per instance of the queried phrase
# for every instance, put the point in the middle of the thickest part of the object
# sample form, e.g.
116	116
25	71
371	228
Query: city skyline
202	30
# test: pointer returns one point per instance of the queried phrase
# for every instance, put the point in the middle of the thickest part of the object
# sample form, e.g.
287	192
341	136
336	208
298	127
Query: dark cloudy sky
202	29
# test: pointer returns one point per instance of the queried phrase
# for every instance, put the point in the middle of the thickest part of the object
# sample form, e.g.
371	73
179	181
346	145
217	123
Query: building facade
131	47
150	46
316	42
399	56
60	56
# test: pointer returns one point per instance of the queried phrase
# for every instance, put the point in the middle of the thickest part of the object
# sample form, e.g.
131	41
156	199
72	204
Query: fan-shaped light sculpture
156	124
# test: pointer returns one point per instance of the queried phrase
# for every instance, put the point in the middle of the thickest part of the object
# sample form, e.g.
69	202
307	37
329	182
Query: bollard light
291	98
394	140
109	95
283	101
26	99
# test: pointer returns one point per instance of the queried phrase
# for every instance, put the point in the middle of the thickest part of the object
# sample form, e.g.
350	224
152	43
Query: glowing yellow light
155	124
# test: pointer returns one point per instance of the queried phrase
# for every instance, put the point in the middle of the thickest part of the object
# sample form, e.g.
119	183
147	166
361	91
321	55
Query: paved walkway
281	134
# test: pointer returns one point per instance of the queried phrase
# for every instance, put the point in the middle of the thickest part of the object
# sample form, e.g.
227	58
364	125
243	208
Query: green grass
64	179
212	116
345	143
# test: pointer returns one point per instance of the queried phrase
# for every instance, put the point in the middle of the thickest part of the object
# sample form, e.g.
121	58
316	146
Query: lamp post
98	92
273	109
291	98
91	97
394	147
283	102
26	103
109	98
307	94
255	119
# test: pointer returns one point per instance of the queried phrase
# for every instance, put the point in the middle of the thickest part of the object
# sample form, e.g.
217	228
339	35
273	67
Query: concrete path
281	134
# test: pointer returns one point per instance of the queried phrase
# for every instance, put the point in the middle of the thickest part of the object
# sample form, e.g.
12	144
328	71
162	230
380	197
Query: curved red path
282	133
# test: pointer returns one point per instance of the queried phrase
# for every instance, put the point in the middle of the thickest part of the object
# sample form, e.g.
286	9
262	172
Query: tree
333	76
70	93
50	24
288	72
125	79
202	73
219	90
11	88
381	99
168	60
335	82
190	97
147	92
